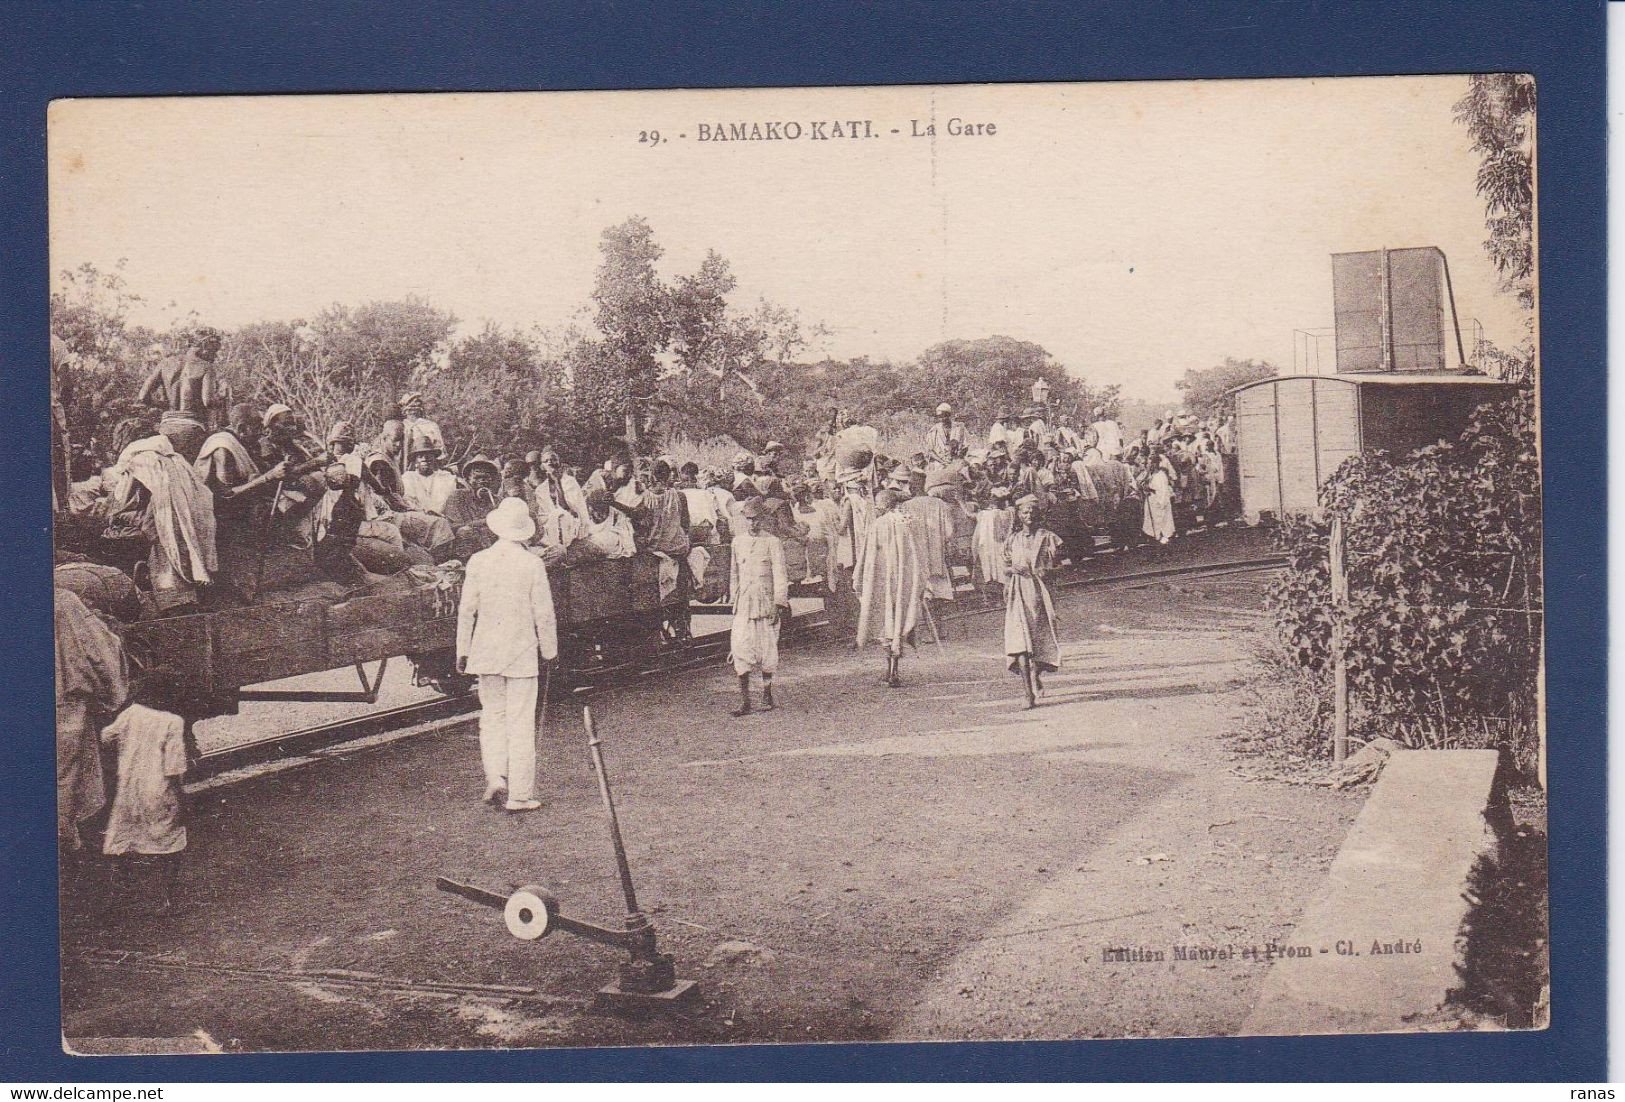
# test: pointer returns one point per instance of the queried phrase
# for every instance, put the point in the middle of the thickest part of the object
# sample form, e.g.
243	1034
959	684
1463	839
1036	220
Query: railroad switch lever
648	977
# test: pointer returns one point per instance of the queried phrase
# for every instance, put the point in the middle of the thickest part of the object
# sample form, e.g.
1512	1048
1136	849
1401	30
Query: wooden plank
1297	443
1255	451
1338	422
596	590
368	644
643	584
269	643
175	645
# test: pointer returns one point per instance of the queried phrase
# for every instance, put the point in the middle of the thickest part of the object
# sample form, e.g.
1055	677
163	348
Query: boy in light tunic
761	592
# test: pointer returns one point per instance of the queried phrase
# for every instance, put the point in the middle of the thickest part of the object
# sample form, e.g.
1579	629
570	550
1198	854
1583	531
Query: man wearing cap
889	582
769	462
383	483
427	485
761	592
285	441
341	441
505	631
281	437
467	505
939	444
420	431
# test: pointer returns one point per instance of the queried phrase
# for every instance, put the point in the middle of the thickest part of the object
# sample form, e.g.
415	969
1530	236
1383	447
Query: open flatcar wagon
611	608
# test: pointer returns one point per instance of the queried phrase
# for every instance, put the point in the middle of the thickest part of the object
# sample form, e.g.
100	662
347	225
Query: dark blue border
64	48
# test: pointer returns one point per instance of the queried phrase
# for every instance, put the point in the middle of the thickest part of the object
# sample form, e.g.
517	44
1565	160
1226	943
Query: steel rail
146	962
694	654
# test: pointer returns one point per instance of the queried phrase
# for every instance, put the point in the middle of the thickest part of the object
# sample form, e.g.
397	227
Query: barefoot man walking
890	583
1029	614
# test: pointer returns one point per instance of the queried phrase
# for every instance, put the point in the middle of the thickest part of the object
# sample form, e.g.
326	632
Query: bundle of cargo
217	654
104	589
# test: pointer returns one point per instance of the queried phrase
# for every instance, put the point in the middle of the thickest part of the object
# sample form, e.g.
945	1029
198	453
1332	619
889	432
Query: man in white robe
890	583
427	485
157	485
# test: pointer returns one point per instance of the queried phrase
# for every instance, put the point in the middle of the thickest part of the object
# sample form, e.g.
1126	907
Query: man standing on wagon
505	631
945	434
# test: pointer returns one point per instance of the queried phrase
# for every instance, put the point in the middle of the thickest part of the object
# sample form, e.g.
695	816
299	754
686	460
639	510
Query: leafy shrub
1444	621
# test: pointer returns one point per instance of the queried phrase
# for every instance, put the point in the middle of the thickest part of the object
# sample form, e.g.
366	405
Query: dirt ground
862	864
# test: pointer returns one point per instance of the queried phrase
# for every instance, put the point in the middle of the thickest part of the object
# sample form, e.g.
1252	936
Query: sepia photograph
857	564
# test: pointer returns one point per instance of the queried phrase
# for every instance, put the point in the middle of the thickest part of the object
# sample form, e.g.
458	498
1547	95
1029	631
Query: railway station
424	685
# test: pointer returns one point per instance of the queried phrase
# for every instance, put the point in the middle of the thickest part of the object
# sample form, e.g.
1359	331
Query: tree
91	313
1205	388
699	315
992	375
633	317
598	388
283	361
498	392
106	358
382	344
1499	112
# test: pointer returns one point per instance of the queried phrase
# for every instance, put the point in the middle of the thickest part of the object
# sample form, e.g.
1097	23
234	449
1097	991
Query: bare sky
1134	230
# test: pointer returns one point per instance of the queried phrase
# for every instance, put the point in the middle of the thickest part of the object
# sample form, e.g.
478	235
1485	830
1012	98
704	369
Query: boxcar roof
1383	378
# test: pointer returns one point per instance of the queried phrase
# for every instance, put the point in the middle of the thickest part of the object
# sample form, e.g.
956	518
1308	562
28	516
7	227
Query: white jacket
506	612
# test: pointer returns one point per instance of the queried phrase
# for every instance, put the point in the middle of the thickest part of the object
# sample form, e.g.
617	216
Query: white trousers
508	733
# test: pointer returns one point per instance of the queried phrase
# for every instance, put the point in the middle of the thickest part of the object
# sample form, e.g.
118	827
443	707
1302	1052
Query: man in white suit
505	630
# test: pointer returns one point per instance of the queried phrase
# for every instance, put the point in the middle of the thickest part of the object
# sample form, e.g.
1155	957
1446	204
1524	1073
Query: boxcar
1293	431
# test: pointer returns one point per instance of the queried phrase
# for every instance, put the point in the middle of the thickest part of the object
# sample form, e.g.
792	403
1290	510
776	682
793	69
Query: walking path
861	864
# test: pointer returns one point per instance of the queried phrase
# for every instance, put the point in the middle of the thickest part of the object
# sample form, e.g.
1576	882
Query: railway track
377	728
136	960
